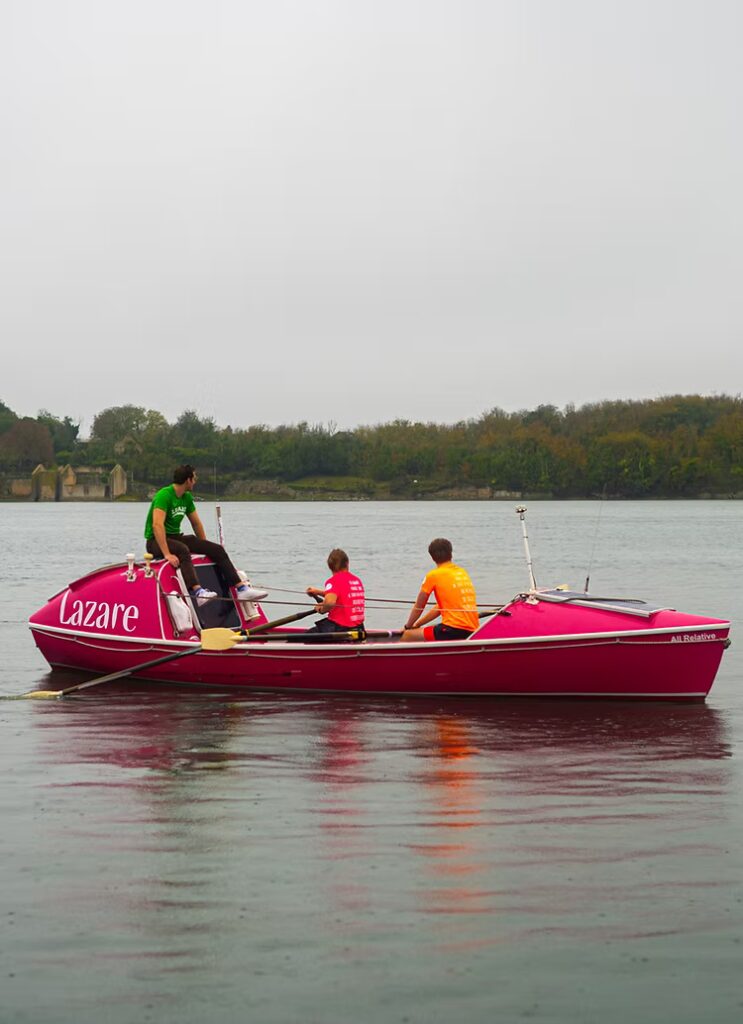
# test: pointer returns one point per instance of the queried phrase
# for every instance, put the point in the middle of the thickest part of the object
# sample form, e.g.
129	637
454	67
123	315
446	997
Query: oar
309	637
302	636
217	639
264	626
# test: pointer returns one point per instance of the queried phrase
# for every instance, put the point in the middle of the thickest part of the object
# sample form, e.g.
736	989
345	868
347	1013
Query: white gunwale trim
133	640
432	648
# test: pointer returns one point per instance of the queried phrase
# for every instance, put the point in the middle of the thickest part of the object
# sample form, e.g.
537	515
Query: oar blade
35	695
219	639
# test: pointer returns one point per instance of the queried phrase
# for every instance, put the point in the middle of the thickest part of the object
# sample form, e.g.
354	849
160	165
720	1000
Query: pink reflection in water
473	822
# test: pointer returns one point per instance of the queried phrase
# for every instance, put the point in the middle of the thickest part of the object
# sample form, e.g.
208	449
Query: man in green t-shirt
164	538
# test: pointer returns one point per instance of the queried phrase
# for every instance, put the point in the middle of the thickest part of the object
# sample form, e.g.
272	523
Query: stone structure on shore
66	483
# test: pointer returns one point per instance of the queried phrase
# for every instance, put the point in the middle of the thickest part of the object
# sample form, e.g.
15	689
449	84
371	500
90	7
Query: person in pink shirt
342	597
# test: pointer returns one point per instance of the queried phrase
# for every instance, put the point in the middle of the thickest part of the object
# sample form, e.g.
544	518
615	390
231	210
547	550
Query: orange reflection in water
452	787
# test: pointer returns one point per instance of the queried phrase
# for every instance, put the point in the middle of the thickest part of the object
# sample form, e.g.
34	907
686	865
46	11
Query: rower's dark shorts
442	632
328	626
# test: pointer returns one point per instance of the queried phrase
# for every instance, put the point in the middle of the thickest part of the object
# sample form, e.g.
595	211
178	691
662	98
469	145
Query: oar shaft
216	639
265	626
123	673
312	638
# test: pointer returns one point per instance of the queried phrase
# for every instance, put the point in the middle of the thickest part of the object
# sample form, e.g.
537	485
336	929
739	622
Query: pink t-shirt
348	609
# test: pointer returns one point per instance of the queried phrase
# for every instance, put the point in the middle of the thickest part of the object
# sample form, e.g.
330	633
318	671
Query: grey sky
355	210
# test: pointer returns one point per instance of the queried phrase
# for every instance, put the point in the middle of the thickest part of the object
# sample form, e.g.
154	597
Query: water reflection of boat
346	824
148	728
558	728
542	643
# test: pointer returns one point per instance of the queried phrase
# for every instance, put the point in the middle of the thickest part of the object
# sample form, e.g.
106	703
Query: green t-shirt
175	509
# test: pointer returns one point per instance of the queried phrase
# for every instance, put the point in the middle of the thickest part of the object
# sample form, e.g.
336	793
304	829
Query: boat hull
653	666
549	644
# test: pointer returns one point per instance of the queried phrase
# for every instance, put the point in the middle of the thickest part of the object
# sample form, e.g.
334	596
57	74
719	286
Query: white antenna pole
220	532
521	513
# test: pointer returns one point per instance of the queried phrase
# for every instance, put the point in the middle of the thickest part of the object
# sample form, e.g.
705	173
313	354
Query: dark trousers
328	626
187	543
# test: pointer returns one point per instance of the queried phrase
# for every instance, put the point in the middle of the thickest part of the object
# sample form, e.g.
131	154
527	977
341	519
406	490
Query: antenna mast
521	513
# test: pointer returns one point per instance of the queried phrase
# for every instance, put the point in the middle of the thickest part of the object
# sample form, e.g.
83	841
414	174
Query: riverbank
308	488
286	493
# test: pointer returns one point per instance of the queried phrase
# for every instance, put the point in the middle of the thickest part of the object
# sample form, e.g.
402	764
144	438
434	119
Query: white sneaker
246	593
202	595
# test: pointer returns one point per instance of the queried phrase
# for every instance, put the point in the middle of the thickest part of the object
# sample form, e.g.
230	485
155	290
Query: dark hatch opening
221	611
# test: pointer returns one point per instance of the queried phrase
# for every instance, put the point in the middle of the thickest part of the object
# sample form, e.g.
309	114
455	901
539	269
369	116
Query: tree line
674	446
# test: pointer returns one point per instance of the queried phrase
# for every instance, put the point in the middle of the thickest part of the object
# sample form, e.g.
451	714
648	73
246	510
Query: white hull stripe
460	645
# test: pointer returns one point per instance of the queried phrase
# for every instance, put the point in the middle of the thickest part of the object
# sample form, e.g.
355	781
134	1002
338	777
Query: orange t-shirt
455	595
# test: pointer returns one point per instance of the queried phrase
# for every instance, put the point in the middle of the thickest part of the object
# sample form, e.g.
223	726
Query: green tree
26	444
115	423
7	417
627	464
191	431
64	432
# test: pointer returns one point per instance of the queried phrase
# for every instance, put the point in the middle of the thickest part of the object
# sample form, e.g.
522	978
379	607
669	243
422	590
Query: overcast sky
356	210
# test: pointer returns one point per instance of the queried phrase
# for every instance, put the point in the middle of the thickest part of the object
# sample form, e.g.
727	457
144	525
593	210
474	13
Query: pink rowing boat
548	643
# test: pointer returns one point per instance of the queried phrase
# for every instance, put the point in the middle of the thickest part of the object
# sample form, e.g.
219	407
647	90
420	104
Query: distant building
69	483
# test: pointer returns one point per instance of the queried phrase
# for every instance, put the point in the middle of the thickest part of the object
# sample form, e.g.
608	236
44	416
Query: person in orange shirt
455	596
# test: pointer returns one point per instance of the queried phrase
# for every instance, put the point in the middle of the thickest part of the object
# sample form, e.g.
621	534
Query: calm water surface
173	855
